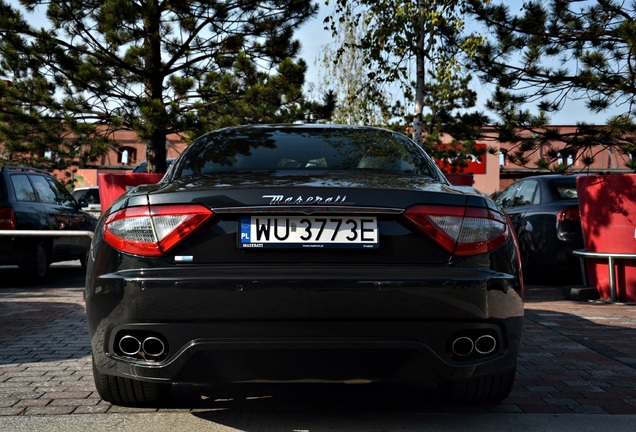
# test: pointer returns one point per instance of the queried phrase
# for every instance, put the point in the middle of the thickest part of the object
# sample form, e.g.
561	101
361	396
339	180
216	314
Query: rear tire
528	259
83	261
37	266
492	388
129	392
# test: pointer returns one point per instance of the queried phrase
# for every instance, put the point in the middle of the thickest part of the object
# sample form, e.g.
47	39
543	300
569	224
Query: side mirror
82	202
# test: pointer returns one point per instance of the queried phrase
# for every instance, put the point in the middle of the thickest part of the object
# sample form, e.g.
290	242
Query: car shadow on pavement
214	404
43	321
42	331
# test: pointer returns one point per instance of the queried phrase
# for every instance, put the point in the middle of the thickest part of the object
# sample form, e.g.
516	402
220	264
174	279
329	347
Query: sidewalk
577	357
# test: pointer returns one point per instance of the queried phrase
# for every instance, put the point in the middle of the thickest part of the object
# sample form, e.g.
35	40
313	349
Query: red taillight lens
7	219
152	231
461	231
569	214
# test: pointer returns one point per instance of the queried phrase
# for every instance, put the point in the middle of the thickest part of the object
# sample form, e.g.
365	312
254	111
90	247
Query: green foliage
418	45
154	66
344	72
247	95
552	52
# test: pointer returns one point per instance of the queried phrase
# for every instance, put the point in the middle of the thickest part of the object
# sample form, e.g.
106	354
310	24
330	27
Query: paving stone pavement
577	357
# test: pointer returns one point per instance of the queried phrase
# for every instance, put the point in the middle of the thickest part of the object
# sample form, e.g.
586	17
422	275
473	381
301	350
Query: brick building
494	171
491	172
122	158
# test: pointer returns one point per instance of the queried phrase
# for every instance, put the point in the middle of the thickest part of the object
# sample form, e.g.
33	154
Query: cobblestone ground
576	357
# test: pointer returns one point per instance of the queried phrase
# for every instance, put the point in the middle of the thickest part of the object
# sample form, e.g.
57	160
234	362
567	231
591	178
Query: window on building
127	156
502	158
566	158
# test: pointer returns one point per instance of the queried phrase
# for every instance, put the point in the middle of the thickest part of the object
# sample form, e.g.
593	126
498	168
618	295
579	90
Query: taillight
461	231
569	214
152	231
7	219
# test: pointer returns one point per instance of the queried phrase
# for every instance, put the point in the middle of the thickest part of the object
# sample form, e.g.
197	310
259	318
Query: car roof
549	176
302	126
25	169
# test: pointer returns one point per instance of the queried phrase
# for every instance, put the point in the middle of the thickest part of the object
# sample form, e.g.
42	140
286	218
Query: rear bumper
231	324
371	352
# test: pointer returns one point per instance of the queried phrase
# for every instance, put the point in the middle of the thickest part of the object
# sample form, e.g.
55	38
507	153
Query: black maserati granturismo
303	253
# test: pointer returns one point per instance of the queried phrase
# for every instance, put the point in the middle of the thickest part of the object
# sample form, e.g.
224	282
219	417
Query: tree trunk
420	76
156	117
156	151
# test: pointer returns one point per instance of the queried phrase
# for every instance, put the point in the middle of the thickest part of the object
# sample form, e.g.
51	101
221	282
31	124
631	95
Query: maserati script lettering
282	199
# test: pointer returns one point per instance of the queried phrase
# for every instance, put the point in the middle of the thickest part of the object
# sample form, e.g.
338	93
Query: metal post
45	233
612	278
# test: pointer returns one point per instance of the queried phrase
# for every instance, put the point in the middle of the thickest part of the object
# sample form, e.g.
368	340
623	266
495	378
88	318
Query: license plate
308	232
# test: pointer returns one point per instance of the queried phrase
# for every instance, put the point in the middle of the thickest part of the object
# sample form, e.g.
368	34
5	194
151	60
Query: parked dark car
545	212
32	199
303	254
88	198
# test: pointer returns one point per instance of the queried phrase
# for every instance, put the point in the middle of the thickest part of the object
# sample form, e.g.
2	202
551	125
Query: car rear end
568	214
297	275
569	233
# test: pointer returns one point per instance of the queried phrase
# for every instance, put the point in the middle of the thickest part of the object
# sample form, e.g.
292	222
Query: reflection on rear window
90	195
566	188
297	148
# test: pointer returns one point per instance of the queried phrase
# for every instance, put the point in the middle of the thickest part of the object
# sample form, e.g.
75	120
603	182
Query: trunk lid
234	197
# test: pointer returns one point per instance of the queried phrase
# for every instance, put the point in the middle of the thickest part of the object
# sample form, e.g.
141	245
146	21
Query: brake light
7	219
569	214
461	231
152	231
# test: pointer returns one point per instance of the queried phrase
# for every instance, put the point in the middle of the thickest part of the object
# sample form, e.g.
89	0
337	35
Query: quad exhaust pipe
466	346
130	345
153	347
485	344
463	346
149	347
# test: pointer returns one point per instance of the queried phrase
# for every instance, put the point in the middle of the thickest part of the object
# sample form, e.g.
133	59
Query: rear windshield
90	195
566	188
297	148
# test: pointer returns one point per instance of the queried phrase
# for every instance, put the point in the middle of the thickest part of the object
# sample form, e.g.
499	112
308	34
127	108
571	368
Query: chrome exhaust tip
153	347
463	346
485	344
129	345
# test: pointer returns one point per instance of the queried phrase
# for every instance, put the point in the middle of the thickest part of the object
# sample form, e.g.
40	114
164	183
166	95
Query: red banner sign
475	164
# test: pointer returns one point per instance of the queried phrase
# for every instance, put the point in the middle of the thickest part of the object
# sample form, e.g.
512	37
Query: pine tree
152	66
551	53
